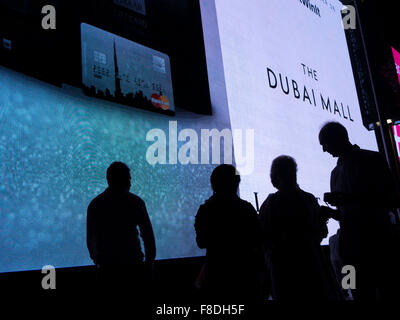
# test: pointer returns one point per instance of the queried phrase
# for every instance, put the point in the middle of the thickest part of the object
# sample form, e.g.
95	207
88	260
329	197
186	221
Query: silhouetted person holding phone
112	236
293	230
364	192
228	228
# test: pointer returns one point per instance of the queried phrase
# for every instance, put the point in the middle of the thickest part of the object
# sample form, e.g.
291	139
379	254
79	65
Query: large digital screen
142	53
396	136
287	72
56	145
277	70
396	56
126	72
396	129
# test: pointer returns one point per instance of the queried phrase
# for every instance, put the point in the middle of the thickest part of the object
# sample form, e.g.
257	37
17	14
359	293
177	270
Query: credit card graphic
120	70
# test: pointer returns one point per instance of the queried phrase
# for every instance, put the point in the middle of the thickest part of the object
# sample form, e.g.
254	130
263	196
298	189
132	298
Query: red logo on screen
160	101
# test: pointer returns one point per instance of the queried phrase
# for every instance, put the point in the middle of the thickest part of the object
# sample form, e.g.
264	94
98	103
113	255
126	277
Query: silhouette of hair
333	131
283	169
225	179
118	174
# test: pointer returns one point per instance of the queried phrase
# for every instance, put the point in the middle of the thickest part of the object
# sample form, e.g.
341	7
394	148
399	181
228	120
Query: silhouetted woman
293	229
228	227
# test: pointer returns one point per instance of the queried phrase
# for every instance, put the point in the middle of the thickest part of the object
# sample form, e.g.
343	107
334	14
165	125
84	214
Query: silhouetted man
364	192
112	235
228	228
293	230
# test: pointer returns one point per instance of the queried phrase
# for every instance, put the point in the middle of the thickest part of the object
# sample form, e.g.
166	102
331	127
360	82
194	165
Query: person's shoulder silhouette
228	228
364	191
112	221
290	210
361	176
225	219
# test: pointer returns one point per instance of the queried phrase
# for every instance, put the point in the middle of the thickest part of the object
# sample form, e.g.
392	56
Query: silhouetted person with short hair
293	230
112	236
364	192
228	228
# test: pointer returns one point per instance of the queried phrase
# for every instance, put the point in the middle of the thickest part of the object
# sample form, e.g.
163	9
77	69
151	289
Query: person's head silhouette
119	176
334	139
225	180
284	173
